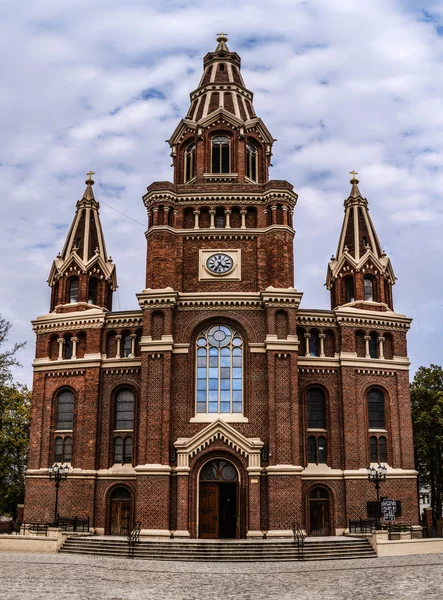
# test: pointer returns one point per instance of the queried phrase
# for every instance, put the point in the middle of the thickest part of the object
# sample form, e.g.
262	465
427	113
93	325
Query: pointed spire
359	256
222	39
84	252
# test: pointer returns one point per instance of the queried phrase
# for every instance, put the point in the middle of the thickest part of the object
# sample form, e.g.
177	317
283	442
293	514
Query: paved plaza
73	577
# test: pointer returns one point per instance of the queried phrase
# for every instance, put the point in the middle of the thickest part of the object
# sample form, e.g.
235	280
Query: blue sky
100	84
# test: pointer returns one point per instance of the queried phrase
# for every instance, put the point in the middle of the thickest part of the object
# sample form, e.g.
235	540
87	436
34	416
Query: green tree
427	419
14	427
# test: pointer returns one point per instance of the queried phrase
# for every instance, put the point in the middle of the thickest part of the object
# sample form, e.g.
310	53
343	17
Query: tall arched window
349	289
190	162
369	288
251	161
124	410
376	409
315	408
92	291
65	411
73	290
58	449
219	370
221	159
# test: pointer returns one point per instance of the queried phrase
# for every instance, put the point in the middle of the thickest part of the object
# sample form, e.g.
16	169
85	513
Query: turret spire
360	266
83	259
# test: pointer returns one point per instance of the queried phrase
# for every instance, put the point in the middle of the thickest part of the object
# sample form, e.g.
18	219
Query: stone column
166	210
74	341
196	219
322	337
307	338
133	337
227	218
119	342
212	215
380	340
61	342
273	215
367	353
285	215
243	212
155	216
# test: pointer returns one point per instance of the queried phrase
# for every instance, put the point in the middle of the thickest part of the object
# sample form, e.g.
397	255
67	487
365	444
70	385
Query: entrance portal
120	511
319	512
218	500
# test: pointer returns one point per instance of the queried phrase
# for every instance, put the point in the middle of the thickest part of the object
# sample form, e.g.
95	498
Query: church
221	408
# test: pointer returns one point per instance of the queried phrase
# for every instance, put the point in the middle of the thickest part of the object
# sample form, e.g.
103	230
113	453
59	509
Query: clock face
219	264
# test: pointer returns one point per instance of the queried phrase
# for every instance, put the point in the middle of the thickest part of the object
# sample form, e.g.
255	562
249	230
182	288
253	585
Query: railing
38	528
394	528
362	525
73	523
133	539
299	539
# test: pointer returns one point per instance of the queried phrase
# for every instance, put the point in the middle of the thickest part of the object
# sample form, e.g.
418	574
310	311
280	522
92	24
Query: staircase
221	550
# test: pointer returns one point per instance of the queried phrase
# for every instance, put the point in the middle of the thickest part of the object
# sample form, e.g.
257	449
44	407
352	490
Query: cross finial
353	173
90	174
224	35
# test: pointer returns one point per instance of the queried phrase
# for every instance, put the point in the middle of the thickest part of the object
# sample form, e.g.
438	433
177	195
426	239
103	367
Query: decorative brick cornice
375	372
65	373
316	319
354	317
69	321
122	371
119	320
204	198
318	370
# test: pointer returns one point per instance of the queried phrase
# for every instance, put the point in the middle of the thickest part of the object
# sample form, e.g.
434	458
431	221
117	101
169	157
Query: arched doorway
319	512
120	513
218	500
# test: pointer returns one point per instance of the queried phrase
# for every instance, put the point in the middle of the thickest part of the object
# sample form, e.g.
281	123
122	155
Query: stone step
220	551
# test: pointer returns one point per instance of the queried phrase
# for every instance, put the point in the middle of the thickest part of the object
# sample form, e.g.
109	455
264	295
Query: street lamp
377	475
57	474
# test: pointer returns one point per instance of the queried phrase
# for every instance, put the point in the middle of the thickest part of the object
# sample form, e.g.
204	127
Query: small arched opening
120	511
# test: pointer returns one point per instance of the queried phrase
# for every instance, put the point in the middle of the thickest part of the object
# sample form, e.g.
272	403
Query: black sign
388	509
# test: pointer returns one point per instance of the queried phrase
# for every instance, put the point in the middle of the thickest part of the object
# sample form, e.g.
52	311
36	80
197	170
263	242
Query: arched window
376	409
65	411
314	342
219	370
349	289
67	449
251	161
382	449
73	290
190	162
63	449
321	449
221	159
127	345
369	288
315	408
373	351
124	410
373	449
92	291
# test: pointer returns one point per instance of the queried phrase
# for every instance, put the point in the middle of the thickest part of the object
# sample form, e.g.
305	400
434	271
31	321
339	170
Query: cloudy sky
100	84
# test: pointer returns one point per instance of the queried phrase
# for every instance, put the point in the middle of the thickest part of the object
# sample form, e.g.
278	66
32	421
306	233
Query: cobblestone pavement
73	577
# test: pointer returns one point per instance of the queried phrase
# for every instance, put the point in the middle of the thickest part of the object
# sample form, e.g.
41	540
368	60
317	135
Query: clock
219	264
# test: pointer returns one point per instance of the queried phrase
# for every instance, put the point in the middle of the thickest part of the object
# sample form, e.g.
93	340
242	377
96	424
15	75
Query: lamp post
377	475
57	474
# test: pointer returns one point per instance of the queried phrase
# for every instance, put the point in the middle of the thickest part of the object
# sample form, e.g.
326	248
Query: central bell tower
219	346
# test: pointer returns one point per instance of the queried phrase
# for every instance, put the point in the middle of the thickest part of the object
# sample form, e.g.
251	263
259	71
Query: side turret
83	276
361	274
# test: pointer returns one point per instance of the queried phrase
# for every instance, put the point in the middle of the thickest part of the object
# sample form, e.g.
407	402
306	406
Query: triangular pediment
218	430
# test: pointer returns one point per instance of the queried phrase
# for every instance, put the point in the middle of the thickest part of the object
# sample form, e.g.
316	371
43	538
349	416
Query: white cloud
343	85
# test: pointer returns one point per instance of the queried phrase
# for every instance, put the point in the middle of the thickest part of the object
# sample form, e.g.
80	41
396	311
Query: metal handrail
299	539
133	539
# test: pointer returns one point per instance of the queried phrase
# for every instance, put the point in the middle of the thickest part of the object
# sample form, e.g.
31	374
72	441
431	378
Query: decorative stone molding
124	320
219	430
318	370
89	319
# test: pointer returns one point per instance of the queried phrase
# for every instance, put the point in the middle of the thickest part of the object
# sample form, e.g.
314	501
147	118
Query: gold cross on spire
353	173
89	175
222	34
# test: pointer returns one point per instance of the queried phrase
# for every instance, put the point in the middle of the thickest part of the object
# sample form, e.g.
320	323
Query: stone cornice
355	317
124	319
88	319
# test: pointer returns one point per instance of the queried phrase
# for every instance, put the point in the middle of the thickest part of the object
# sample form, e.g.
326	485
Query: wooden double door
120	512
218	501
319	512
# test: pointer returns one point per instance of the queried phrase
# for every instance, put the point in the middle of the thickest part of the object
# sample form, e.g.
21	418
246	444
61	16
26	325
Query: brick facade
150	355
